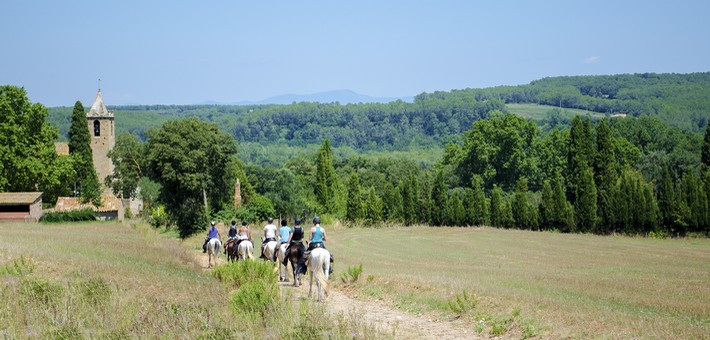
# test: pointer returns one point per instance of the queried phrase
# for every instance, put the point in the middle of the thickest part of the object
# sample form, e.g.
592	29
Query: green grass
563	285
539	112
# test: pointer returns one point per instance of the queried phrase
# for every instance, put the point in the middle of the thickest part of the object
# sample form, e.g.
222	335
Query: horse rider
232	235
317	238
295	240
284	234
244	233
269	235
213	232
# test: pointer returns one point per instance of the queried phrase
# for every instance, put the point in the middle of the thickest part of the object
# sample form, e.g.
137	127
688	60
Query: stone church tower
102	132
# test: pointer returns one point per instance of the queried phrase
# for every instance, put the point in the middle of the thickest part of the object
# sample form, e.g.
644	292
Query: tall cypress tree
388	202
439	199
87	182
457	217
354	203
563	210
372	207
409	200
705	152
497	207
605	172
547	206
425	203
520	204
586	204
666	198
481	211
325	178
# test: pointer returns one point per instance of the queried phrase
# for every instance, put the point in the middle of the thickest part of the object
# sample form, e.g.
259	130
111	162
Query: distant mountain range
341	96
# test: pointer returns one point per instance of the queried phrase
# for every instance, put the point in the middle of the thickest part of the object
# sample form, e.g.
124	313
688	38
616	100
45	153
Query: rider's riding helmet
213	223
234	222
284	223
271	219
316	220
298	221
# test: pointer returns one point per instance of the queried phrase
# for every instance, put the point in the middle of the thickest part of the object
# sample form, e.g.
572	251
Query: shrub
463	303
158	217
69	216
352	274
236	274
254	297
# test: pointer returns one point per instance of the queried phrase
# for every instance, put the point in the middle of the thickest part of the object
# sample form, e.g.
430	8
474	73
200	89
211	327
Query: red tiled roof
108	203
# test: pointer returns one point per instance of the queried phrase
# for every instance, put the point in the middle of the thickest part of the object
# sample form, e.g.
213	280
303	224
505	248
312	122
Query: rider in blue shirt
284	232
211	233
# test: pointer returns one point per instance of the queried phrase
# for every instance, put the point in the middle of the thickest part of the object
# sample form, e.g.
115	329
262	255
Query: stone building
21	206
101	128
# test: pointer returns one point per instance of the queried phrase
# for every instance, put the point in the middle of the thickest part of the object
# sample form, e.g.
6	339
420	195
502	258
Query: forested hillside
680	99
434	119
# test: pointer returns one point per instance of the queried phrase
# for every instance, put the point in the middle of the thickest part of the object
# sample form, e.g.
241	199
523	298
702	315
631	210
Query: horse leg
310	289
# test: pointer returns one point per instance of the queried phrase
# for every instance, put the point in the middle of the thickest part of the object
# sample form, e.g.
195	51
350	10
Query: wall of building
101	145
36	211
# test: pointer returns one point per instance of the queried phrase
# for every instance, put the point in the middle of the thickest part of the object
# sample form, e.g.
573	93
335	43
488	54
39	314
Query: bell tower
101	129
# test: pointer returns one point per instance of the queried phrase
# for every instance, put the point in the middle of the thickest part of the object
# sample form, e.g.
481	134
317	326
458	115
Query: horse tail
320	268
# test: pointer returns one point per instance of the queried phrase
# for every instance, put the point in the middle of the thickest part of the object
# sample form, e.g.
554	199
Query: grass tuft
463	303
352	274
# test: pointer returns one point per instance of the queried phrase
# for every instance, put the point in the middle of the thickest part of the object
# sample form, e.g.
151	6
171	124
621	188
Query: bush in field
69	216
254	297
236	274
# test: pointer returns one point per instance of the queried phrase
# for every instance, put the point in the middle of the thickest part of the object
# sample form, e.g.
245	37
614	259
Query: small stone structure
111	207
21	206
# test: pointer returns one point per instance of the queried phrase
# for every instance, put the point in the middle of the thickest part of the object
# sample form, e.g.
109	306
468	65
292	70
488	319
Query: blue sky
182	52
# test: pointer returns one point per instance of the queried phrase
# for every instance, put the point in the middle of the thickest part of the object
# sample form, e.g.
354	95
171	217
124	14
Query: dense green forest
434	118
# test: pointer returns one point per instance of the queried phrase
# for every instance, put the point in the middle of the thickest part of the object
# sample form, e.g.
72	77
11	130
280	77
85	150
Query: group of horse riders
286	235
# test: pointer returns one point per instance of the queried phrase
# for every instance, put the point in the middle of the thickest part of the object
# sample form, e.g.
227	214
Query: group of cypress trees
593	194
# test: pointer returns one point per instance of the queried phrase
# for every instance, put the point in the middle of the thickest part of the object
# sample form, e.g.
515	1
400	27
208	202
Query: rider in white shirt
269	235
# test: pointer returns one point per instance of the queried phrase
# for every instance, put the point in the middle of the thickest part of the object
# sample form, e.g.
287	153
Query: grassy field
533	283
117	281
539	112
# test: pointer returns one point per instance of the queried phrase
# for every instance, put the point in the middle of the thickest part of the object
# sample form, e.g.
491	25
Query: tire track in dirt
385	318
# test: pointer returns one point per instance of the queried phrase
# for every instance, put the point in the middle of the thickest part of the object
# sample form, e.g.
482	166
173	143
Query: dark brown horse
294	255
231	250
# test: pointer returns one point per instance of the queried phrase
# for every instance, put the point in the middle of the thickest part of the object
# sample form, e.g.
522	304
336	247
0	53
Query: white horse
214	247
246	250
319	265
283	269
270	250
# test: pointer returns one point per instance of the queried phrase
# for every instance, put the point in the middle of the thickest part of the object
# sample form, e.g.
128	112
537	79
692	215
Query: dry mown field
551	285
114	281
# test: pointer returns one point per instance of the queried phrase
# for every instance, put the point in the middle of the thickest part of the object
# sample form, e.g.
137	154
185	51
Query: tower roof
98	109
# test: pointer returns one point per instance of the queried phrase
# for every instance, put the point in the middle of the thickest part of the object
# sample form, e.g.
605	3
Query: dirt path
387	319
376	314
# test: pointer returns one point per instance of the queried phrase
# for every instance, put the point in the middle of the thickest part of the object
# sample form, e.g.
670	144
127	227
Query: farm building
111	207
21	206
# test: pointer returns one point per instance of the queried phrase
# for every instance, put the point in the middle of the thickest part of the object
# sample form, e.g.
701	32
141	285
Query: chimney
237	194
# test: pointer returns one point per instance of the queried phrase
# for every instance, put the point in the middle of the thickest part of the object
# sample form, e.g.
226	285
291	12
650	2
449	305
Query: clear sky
182	52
